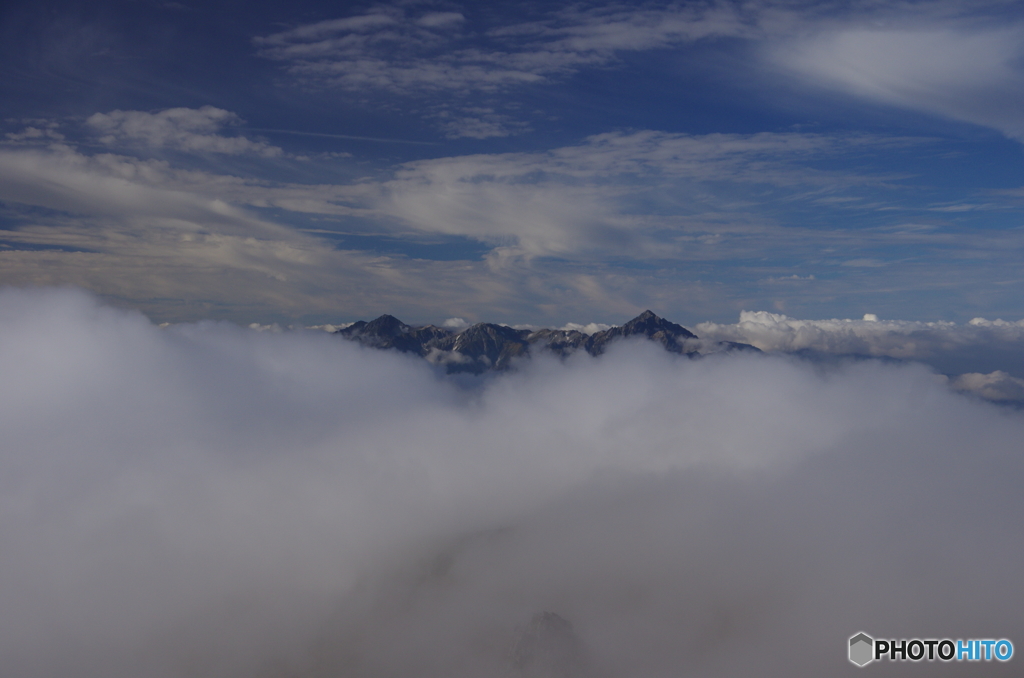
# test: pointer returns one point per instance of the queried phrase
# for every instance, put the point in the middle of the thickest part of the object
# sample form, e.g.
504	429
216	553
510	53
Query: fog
206	500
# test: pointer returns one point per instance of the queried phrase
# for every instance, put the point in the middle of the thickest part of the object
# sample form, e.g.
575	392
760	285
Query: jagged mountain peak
488	346
648	323
387	325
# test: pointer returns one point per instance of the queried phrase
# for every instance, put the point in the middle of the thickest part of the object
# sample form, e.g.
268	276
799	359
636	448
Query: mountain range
487	346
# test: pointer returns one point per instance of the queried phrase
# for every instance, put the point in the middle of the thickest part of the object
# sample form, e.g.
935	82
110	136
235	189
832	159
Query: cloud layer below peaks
205	500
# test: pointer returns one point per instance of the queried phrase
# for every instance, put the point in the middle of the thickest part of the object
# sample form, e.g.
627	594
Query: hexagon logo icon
861	649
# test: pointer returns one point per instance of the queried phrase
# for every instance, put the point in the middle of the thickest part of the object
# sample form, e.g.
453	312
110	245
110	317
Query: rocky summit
485	346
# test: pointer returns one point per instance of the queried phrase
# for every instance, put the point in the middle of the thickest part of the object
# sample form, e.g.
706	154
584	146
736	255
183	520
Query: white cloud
185	129
589	328
321	29
950	347
957	60
202	500
123	188
395	50
143	231
183	245
604	30
998	385
43	133
959	72
441	19
869	336
578	200
557	223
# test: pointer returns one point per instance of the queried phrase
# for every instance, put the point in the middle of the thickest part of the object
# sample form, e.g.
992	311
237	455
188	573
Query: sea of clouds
208	501
985	357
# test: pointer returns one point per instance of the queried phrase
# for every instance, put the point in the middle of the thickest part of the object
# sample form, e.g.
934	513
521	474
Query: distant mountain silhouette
486	346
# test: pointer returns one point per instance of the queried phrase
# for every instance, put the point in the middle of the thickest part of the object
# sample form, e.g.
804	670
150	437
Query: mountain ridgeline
485	346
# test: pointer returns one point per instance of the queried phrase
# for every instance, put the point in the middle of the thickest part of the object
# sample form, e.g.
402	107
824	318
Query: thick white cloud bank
981	345
205	500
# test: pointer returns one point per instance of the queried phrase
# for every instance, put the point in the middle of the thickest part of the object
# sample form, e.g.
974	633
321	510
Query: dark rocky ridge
486	346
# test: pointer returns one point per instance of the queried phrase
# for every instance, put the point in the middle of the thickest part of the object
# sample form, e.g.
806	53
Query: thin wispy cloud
394	50
583	198
328	135
971	75
932	57
184	129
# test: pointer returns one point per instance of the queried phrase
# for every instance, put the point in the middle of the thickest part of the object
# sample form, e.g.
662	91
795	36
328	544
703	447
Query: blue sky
517	162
